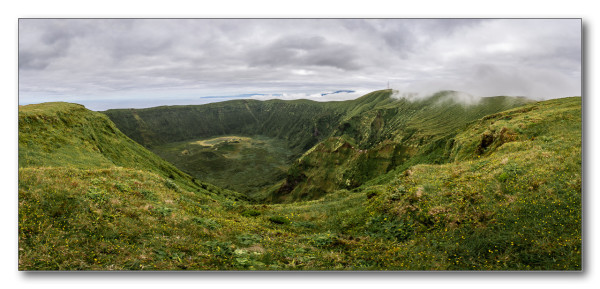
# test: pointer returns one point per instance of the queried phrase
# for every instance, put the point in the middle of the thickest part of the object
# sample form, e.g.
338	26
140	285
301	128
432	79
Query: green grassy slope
510	202
356	141
90	198
301	123
380	134
297	124
508	199
64	134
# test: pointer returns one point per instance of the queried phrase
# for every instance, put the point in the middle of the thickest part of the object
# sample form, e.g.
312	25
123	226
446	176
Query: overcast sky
115	63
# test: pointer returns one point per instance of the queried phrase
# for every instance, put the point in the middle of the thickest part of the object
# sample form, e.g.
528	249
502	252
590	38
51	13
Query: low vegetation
496	190
249	165
338	145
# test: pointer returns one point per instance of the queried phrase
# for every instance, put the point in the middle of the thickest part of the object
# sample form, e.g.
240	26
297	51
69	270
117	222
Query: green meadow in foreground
376	183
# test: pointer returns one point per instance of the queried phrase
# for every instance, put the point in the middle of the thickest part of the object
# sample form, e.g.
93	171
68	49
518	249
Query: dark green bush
207	223
248	239
164	211
251	213
281	220
172	185
371	194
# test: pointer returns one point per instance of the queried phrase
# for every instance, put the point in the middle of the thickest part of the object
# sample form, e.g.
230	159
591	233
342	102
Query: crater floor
247	164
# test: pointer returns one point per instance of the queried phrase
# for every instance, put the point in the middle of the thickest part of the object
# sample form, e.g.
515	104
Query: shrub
305	224
97	195
251	213
220	249
229	204
322	239
172	185
248	239
279	220
207	223
510	171
164	211
390	228
148	195
372	193
122	187
397	193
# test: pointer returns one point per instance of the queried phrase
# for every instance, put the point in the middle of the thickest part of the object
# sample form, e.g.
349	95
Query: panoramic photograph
300	144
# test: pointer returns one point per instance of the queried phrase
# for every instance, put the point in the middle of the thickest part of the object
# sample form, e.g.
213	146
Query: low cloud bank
448	95
337	95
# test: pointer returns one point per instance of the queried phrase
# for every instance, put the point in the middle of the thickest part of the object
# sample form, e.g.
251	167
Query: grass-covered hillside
293	127
380	134
501	191
301	123
340	144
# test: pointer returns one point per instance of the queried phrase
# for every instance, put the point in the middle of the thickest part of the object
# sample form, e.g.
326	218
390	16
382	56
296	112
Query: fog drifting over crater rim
146	62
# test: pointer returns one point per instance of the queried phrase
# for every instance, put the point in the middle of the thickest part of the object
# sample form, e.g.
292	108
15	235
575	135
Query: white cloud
321	96
302	58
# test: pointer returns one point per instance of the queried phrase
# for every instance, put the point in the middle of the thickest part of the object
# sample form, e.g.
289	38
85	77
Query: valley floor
249	165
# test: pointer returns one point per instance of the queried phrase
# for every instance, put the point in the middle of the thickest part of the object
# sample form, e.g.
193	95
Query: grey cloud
42	41
405	36
447	27
102	57
141	38
41	56
31	60
305	51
